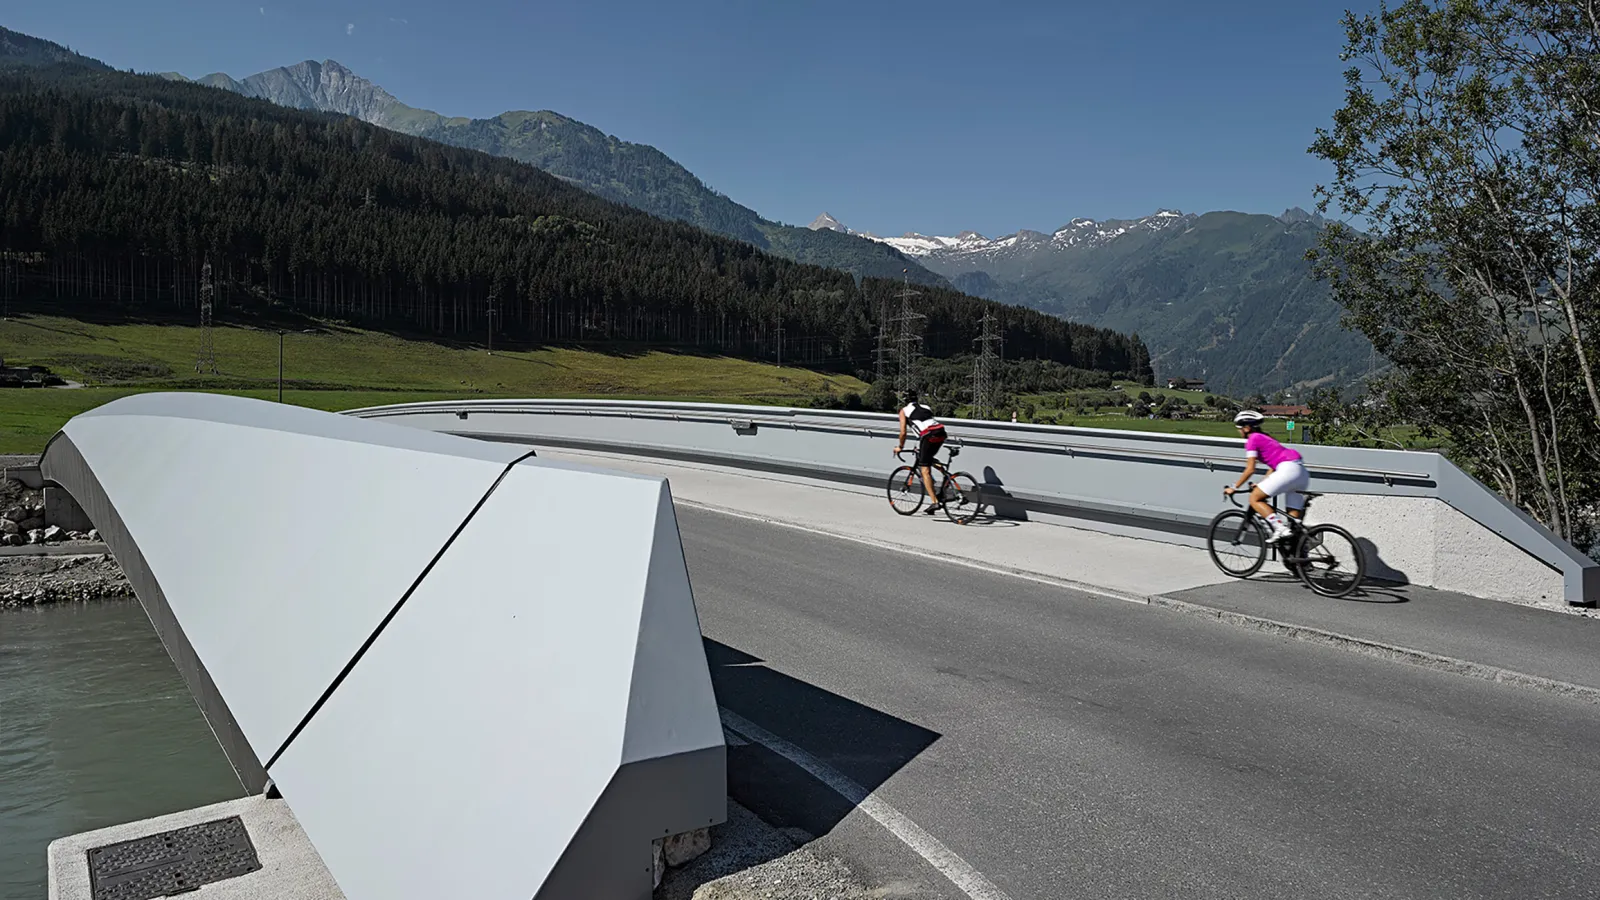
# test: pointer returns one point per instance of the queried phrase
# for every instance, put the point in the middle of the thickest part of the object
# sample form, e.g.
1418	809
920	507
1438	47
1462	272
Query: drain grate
172	862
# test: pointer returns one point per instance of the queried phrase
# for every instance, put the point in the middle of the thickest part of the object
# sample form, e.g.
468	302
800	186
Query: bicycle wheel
960	495
1330	560
1237	543
905	490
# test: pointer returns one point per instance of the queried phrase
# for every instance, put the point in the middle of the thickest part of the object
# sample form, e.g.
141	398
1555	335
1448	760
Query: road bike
957	490
1326	557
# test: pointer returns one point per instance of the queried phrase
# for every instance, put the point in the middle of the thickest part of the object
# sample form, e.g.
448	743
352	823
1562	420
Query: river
96	729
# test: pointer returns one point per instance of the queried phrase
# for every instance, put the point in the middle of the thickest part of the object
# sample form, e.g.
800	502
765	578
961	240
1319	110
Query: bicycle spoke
960	498
905	490
1236	544
1332	563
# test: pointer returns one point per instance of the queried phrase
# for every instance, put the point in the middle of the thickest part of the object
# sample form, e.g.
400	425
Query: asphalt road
1066	746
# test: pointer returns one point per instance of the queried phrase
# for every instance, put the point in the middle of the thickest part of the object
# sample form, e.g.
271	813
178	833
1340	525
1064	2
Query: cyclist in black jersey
930	437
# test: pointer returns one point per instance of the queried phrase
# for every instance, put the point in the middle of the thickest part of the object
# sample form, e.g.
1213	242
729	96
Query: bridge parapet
1423	519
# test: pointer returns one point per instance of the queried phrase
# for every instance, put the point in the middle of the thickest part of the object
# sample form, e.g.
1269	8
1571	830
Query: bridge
951	711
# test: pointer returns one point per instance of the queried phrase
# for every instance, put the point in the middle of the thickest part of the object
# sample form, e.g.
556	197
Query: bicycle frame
945	479
943	467
1296	524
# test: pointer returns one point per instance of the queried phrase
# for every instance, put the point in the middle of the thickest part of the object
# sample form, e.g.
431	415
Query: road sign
1290	426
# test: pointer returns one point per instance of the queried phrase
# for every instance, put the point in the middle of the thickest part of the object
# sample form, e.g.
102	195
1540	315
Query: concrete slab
1120	564
28	474
290	867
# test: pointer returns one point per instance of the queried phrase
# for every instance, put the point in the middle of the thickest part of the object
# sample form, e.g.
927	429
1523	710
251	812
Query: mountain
1224	296
329	87
326	215
827	221
18	49
636	174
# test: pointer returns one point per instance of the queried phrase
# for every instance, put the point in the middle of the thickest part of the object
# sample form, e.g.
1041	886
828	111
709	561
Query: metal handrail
796	423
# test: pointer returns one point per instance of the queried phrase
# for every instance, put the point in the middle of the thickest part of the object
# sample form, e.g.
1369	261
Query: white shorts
1288	481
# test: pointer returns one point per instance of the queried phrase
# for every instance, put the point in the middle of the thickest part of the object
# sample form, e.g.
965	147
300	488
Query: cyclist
930	437
1288	477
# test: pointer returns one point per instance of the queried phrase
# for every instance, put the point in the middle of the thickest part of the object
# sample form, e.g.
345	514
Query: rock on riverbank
35	580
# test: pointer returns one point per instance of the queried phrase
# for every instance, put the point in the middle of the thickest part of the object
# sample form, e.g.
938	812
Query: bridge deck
1475	635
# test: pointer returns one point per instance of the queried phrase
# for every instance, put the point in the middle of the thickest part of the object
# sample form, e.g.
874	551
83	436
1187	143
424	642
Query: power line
882	352
908	339
206	360
984	365
494	294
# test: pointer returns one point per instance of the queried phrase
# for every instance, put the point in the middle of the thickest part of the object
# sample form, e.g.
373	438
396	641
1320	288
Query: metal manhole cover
172	862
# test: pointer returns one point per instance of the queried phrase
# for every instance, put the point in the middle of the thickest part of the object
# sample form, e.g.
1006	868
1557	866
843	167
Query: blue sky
932	116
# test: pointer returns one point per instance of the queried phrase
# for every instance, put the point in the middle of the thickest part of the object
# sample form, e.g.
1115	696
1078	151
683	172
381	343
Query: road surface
1061	745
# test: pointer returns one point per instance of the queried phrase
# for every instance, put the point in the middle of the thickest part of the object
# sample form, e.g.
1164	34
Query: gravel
751	860
35	580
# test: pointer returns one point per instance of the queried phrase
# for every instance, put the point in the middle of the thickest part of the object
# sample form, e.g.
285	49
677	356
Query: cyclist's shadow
1000	509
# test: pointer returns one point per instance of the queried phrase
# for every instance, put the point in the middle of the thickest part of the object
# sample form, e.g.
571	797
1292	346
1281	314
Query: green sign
1290	426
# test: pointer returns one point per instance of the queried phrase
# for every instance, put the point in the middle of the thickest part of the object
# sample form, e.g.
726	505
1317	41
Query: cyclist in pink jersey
1288	478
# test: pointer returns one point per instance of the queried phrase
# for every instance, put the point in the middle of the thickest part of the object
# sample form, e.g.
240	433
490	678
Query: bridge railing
1423	520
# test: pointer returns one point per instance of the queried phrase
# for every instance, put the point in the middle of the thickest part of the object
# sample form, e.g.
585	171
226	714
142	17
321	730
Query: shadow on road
777	806
1371	590
1379	591
857	741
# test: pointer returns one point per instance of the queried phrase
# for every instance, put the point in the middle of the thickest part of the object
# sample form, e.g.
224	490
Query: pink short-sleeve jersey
1271	452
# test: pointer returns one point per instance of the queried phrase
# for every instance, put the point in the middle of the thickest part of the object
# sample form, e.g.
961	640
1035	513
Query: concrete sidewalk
1548	649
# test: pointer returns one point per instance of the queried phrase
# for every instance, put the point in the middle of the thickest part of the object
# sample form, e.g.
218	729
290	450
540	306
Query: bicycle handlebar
902	454
1234	497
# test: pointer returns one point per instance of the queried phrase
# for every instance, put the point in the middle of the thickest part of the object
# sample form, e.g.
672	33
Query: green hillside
635	174
337	367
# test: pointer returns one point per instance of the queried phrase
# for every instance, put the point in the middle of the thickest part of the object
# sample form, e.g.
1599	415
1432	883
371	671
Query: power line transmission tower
206	361
984	365
494	294
882	352
908	339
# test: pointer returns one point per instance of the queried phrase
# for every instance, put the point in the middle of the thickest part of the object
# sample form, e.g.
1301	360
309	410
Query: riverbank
61	578
41	565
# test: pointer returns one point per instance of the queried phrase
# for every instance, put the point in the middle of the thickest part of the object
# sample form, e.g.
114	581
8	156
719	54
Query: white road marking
961	874
991	568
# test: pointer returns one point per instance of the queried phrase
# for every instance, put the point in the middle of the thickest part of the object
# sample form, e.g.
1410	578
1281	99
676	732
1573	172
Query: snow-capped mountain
1076	233
1224	296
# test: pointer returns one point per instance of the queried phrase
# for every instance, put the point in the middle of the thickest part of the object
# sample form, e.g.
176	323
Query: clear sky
932	116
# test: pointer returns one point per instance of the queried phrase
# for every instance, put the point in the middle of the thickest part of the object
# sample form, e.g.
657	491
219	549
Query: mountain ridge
17	48
310	212
1225	296
638	175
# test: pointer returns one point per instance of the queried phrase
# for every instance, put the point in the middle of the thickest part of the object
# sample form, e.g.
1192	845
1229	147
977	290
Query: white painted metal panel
280	535
659	722
470	742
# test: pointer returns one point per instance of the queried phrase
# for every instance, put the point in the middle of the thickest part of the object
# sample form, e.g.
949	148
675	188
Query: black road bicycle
958	491
1325	557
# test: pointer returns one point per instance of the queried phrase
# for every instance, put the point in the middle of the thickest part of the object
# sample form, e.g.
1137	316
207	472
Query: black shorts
928	447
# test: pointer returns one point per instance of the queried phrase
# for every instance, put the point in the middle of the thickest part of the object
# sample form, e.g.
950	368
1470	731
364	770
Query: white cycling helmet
1249	417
